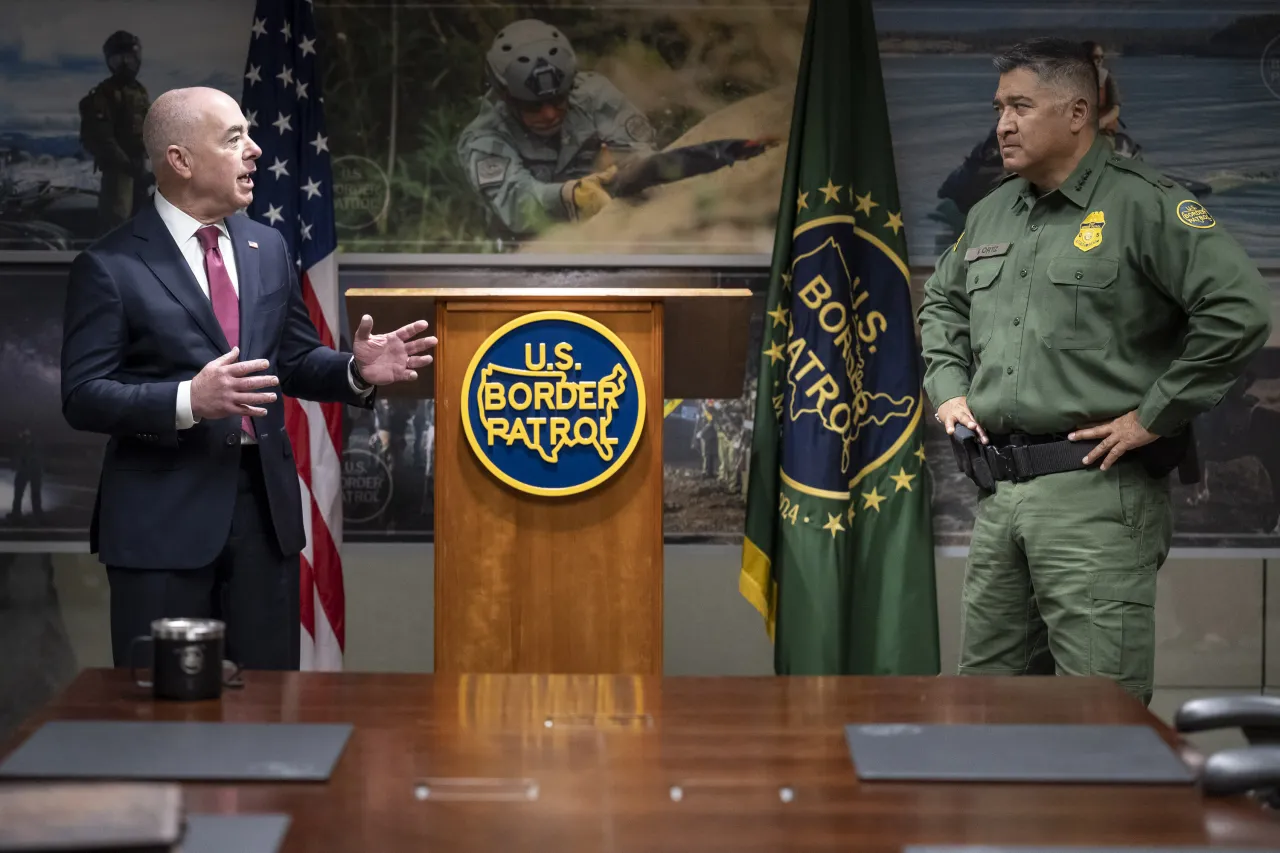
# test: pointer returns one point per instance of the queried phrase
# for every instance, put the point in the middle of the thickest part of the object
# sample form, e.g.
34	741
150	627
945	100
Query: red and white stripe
315	430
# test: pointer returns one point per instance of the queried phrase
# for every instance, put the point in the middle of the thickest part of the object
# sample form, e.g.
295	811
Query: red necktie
226	305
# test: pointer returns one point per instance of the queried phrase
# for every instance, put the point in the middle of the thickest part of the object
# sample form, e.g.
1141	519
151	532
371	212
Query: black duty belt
1018	458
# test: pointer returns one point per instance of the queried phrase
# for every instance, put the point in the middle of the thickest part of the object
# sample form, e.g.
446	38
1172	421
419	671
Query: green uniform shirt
1115	292
520	174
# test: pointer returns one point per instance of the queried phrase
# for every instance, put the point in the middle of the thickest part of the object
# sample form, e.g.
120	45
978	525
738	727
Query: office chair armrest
1237	771
1222	712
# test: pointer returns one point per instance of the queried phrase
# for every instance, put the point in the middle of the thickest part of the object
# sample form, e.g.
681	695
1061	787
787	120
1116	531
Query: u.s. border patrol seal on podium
553	403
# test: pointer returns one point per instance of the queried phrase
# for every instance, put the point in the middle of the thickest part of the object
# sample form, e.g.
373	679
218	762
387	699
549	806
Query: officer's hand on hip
1118	438
956	411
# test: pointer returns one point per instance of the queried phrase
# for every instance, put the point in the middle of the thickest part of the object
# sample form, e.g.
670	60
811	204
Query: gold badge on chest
1090	236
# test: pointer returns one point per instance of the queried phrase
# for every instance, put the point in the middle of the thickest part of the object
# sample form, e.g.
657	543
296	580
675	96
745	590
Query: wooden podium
526	583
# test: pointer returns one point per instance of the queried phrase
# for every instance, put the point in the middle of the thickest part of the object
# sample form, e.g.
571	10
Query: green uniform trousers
1061	576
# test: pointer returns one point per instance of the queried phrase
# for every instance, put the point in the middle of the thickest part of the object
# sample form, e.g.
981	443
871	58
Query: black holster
1171	452
967	448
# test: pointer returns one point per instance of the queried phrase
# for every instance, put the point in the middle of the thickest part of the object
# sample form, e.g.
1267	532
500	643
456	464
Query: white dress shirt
183	227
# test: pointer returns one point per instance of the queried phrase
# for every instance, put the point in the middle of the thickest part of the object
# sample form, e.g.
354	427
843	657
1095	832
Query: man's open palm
394	357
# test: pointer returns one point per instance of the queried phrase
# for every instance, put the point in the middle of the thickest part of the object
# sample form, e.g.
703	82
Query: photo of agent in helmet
540	149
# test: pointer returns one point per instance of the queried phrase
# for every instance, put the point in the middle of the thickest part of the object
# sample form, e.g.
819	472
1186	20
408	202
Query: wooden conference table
582	763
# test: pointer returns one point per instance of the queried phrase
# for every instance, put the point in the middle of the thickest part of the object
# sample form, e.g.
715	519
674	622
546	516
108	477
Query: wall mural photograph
72	100
561	126
668	127
664	134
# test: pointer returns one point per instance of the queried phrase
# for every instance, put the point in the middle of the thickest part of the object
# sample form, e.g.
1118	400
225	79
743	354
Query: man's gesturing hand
224	387
1118	437
383	359
956	411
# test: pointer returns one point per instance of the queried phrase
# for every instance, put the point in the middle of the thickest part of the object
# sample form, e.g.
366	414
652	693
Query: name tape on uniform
990	250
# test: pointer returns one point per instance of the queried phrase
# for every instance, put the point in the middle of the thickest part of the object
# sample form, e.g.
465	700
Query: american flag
293	192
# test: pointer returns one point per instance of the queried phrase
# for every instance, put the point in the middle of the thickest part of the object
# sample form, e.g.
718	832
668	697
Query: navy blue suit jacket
136	325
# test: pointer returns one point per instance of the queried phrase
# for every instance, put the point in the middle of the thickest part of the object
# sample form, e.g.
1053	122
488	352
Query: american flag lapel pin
253	244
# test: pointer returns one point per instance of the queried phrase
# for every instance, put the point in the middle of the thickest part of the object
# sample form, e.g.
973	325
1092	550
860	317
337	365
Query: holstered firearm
1163	455
967	448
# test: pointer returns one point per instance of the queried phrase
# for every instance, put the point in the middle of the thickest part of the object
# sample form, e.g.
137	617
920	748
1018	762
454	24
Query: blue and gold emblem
851	392
1192	213
553	403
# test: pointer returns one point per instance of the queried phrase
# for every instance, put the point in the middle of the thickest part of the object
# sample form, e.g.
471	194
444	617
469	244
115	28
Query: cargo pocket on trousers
1122	623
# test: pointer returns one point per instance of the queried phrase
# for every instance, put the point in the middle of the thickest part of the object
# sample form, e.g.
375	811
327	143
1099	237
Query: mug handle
231	674
133	665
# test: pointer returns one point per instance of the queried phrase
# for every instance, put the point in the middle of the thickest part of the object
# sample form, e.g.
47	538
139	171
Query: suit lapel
158	251
249	277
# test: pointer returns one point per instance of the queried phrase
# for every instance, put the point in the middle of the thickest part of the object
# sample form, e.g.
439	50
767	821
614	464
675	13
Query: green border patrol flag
838	555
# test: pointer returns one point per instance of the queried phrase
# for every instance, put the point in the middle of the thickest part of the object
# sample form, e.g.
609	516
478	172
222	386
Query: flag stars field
833	525
873	499
865	204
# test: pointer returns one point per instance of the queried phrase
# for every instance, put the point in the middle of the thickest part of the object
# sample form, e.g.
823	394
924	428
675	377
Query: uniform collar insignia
1078	187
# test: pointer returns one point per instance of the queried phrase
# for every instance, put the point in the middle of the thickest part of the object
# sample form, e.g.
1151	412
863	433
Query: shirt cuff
1161	416
552	199
363	390
947	385
184	419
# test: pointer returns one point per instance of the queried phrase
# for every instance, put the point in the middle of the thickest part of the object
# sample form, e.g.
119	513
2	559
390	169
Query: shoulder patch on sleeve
491	170
1192	213
638	128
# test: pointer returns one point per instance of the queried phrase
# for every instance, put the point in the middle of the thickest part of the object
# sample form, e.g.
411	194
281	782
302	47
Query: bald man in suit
183	327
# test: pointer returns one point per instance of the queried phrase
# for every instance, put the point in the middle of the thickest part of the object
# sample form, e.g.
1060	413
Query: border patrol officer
1088	312
534	150
111	118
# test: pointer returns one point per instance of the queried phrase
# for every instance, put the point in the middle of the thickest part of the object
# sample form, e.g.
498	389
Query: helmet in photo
531	61
121	42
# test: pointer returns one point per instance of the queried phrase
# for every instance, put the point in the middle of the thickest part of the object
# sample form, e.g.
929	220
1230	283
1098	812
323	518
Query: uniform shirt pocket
980	285
1078	303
